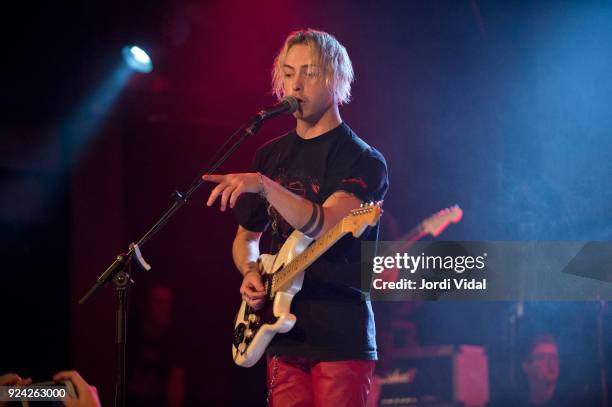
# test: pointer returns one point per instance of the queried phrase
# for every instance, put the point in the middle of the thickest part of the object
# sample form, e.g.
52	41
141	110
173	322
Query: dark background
501	107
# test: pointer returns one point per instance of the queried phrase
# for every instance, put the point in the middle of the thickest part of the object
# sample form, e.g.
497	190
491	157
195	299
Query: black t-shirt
333	320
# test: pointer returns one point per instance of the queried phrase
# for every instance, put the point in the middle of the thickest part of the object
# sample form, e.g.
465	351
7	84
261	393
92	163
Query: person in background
541	367
155	375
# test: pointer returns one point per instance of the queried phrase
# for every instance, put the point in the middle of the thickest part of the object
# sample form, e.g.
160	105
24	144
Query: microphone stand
601	351
518	310
119	272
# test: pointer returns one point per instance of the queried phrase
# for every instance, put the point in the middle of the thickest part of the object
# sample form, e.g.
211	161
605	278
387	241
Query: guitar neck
408	239
307	257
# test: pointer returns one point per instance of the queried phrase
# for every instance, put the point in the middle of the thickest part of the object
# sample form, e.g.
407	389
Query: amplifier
435	376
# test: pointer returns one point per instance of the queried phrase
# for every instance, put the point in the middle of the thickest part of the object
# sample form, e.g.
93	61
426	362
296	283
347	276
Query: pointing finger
213	178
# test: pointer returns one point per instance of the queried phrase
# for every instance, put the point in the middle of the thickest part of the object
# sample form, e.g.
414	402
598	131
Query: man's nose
298	83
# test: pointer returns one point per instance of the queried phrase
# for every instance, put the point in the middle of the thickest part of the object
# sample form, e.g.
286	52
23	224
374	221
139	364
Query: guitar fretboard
307	257
406	241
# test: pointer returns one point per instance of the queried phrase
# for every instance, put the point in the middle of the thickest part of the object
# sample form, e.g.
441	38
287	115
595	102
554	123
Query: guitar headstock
436	223
360	218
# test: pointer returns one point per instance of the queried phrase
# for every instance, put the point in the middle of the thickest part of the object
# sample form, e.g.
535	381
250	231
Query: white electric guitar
282	275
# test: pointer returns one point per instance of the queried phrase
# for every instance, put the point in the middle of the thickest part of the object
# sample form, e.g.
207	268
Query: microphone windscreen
293	103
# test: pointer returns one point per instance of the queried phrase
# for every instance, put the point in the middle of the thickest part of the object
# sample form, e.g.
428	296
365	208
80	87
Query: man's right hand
252	290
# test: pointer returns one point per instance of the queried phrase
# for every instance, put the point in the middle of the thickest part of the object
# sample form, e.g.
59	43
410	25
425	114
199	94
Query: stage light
137	59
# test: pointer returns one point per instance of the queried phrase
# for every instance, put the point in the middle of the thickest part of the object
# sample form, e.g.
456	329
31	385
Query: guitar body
254	329
282	276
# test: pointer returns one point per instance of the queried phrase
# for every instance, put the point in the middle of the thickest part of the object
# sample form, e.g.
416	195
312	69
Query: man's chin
308	117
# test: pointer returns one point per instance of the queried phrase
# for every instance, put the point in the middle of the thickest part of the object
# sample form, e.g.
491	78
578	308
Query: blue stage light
137	59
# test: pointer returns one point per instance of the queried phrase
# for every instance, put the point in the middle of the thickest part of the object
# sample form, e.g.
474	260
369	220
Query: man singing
309	179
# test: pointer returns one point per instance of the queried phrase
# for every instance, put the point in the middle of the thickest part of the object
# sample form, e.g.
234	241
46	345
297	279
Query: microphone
289	104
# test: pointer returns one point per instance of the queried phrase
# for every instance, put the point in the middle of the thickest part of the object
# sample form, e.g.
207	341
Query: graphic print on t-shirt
356	180
307	187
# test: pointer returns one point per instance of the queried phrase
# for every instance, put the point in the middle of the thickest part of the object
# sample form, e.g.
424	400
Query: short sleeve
251	210
365	176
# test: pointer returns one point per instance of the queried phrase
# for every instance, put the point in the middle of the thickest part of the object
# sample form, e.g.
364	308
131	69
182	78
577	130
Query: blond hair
331	57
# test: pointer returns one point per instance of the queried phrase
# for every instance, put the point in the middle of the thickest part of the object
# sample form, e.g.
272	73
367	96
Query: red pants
300	382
